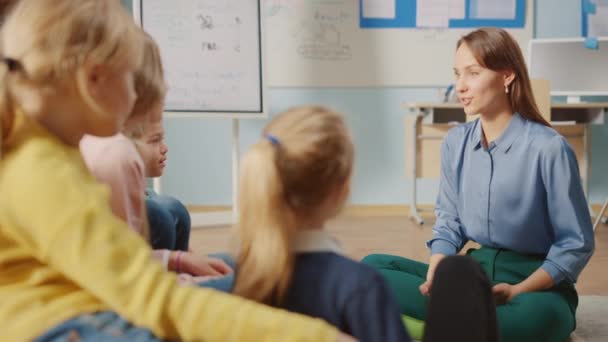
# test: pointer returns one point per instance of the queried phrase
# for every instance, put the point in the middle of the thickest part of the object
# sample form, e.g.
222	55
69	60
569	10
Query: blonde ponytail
266	228
304	157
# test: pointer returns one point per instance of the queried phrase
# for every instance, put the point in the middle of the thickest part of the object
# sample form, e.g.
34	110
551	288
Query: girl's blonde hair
306	155
44	42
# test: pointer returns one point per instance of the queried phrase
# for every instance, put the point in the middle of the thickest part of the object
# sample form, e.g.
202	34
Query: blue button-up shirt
523	193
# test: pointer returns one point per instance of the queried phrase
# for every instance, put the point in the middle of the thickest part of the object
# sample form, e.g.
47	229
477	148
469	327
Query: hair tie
273	140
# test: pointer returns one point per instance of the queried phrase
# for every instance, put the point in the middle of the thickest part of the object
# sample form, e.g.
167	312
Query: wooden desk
431	121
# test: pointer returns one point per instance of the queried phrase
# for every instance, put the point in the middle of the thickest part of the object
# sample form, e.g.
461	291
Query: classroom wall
199	168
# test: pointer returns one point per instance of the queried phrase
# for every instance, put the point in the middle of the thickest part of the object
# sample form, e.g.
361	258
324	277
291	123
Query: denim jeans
97	327
169	222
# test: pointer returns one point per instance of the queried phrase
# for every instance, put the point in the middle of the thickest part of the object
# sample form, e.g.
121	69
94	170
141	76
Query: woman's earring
506	89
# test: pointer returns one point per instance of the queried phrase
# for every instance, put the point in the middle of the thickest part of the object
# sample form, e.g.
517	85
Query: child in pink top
116	162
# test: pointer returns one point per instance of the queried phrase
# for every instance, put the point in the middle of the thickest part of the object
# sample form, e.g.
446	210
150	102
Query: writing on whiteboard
321	36
211	52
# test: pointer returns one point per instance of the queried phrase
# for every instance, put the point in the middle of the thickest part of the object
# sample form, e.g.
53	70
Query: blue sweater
347	294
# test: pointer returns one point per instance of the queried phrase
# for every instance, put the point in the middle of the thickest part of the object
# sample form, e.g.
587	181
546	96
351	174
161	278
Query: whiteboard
572	68
211	51
320	43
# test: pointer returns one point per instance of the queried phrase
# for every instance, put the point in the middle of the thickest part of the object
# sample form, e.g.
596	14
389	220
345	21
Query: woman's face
479	89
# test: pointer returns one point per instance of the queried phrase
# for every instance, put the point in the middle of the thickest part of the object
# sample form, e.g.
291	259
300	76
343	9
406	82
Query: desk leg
413	164
587	164
600	216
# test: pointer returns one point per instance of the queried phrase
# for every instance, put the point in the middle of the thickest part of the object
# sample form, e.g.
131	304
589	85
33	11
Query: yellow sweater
63	253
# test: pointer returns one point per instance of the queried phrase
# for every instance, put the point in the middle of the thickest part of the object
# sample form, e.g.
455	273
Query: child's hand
198	265
342	337
187	279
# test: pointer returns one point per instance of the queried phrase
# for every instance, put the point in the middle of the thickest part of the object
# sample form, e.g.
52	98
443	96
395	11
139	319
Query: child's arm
125	176
68	225
191	263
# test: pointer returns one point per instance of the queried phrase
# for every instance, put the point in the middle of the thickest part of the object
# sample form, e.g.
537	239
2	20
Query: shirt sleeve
371	314
568	212
448	236
122	170
62	215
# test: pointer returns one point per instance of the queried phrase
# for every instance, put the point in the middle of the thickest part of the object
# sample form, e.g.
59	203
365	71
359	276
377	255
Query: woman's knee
378	260
536	316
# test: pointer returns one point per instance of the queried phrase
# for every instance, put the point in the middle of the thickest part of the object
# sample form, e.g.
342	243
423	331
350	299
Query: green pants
536	316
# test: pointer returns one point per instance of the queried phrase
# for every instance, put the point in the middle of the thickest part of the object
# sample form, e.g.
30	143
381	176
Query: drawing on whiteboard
275	7
321	38
211	24
206	22
209	46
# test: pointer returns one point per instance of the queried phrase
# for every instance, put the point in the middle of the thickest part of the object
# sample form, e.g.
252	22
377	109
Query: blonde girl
293	181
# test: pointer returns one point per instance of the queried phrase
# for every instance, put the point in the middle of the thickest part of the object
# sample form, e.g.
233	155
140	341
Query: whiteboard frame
565	40
137	15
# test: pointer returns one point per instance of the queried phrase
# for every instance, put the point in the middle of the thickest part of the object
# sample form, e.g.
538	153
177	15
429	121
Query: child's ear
90	82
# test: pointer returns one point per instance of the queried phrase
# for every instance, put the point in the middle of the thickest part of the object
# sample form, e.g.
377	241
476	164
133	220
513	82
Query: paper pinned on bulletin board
384	9
443	13
595	18
433	13
493	9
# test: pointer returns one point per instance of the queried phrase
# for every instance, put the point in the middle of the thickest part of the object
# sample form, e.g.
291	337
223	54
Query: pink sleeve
162	256
120	167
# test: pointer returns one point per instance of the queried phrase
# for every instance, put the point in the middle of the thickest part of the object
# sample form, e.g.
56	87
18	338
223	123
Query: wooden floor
361	236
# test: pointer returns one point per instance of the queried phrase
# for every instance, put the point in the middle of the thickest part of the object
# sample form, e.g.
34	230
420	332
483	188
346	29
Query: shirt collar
316	240
477	135
506	139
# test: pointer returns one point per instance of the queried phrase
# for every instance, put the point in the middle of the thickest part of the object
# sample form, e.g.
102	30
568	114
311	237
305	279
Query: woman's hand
537	281
503	293
425	288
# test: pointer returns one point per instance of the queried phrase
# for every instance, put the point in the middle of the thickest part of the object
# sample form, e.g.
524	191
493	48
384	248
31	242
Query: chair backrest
542	94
